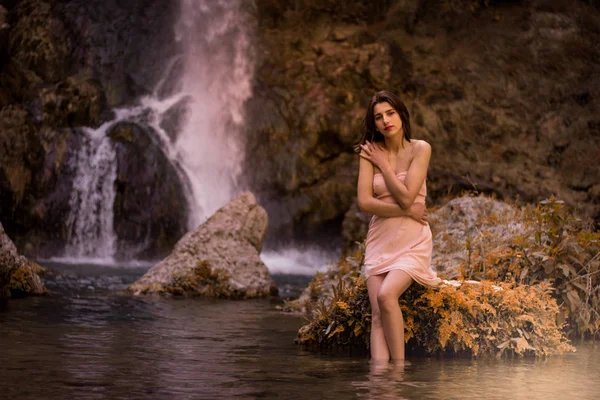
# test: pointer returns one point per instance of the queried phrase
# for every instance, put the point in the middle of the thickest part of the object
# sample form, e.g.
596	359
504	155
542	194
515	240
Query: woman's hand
418	212
375	154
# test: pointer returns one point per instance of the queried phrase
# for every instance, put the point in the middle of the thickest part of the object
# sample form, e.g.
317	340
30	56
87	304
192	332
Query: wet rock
113	39
35	181
219	259
150	206
73	102
175	117
18	275
62	63
172	83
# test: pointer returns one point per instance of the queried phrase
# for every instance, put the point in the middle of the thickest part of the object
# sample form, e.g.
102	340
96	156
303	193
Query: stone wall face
502	93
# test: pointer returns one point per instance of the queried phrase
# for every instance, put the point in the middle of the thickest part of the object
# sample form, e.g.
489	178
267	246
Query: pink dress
399	242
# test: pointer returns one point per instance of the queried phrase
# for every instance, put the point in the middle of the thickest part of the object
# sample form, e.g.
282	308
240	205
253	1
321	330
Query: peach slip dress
399	242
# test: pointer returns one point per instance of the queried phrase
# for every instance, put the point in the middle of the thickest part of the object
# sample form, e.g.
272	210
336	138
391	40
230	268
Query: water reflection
385	380
115	346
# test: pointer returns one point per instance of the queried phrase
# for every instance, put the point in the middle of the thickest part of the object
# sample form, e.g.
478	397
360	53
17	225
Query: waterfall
196	112
217	79
90	222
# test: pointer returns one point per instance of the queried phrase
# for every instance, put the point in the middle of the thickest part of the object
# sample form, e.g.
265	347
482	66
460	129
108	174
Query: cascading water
217	80
196	115
91	232
205	88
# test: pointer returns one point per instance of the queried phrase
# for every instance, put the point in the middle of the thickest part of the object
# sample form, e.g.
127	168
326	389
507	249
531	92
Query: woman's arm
404	193
368	203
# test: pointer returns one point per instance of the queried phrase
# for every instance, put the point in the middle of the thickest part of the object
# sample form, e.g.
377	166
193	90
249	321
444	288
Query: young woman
391	186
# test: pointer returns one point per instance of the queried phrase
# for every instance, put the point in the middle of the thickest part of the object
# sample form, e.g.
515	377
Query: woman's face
387	119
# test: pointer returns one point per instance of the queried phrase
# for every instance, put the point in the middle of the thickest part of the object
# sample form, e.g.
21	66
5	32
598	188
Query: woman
391	186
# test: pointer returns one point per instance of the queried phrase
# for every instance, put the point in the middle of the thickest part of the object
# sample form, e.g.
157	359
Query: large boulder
219	259
18	275
466	225
459	228
481	238
150	205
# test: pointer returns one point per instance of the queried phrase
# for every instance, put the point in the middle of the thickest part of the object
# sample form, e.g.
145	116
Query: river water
90	340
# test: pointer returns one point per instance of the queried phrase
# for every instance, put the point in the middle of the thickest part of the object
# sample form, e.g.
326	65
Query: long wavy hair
370	132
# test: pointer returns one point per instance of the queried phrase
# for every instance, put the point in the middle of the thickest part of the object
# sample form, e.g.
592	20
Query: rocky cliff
506	92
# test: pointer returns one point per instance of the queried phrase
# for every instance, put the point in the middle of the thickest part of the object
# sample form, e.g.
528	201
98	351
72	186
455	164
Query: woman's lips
389	127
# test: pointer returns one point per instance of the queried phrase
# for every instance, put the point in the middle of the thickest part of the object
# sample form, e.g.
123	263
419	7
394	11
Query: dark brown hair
370	132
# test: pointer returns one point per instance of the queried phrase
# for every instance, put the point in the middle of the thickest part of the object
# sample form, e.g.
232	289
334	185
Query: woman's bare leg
395	283
379	347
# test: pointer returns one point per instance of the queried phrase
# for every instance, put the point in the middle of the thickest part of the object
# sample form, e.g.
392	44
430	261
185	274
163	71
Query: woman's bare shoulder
421	146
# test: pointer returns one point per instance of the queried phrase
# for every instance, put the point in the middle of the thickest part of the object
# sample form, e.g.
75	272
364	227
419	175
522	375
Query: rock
39	42
379	66
18	276
73	102
175	117
219	259
112	43
354	229
4	27
173	82
35	182
487	134
462	220
468	222
150	209
20	152
59	62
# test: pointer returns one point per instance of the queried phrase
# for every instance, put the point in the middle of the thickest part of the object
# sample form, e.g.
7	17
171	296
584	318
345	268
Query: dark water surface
91	341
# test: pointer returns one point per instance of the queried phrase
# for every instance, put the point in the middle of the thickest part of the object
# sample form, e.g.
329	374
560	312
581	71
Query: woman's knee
376	321
386	300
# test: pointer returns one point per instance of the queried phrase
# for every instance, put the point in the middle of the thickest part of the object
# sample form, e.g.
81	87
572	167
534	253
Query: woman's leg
395	283
379	347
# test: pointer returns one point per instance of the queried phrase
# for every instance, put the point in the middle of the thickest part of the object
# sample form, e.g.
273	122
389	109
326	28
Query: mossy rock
25	281
38	41
75	101
460	317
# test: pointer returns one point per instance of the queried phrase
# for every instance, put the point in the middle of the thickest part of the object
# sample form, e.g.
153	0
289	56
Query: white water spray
217	80
90	222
